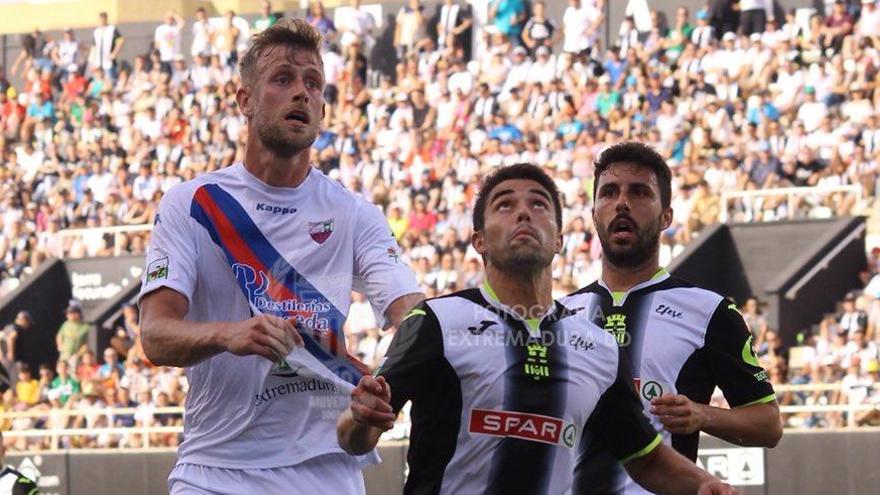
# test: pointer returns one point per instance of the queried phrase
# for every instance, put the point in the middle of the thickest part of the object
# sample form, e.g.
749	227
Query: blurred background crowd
418	111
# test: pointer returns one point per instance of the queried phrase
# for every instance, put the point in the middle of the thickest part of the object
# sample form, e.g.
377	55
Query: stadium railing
789	193
56	434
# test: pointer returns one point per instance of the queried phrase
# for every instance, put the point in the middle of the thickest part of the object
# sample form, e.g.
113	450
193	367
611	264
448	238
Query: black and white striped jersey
499	403
678	339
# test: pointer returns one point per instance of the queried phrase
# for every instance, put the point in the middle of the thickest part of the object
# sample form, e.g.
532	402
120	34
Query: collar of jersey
253	180
620	297
533	325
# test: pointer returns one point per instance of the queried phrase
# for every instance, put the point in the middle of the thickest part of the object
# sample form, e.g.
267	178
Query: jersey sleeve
24	486
732	360
618	421
379	271
171	255
413	356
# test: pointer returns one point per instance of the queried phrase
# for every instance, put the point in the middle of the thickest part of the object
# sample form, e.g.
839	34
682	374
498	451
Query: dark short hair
528	171
641	155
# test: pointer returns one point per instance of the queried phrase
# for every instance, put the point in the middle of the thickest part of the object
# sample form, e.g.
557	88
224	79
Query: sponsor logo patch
524	426
157	269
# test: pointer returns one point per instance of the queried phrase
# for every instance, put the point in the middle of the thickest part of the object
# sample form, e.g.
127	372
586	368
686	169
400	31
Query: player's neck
275	170
528	295
622	279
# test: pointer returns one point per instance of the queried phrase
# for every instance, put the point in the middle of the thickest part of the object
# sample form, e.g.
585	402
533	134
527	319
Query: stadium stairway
800	269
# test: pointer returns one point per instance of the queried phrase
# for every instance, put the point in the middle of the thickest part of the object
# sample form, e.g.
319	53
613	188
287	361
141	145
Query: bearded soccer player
503	379
239	258
680	341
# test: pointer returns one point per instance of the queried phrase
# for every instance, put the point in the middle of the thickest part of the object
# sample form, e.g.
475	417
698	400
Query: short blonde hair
291	32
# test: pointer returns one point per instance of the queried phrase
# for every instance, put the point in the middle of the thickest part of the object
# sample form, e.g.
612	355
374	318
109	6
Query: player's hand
370	403
716	487
678	414
263	335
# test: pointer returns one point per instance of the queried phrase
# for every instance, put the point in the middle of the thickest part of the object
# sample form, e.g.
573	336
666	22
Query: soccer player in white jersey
239	258
503	379
680	341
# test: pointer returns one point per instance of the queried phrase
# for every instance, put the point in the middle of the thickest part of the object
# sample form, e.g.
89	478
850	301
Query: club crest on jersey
616	325
320	231
536	362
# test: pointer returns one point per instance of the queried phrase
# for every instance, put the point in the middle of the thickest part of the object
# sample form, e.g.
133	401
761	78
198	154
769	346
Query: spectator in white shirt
167	38
202	34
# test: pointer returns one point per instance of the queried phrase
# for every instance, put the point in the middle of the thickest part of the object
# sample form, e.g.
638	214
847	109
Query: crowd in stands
420	106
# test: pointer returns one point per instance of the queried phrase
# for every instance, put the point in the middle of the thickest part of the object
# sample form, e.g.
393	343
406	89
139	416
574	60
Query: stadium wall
807	463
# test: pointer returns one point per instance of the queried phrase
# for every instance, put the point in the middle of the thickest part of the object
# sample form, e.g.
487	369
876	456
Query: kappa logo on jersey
157	269
532	427
275	210
484	325
320	231
615	324
258	284
536	363
664	310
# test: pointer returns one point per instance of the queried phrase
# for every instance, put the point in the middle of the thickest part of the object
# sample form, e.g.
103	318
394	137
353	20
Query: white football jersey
235	247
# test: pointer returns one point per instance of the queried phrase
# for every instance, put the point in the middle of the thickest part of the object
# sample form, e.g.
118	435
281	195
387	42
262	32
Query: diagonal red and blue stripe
242	242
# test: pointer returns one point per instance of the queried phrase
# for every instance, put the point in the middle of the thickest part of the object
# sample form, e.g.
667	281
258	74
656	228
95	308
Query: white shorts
330	473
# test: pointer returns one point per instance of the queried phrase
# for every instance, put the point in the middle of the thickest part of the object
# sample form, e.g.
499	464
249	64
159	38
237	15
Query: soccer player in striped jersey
503	379
681	341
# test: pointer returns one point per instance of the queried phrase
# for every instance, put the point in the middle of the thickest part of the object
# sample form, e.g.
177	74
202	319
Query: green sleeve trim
748	354
34	491
734	308
645	451
415	312
763	400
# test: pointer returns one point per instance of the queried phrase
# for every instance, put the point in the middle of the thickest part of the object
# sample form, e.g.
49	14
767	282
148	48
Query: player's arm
618	422
404	375
665	471
379	271
170	340
753	419
401	307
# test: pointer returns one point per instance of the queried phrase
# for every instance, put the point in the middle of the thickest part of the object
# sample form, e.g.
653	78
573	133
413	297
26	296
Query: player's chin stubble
273	138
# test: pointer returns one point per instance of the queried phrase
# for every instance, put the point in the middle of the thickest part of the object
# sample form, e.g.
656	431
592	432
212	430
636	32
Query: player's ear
243	98
666	218
478	241
558	247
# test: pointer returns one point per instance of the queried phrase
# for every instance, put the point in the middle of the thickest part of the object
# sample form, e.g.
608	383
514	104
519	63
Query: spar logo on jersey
258	285
650	389
320	231
524	426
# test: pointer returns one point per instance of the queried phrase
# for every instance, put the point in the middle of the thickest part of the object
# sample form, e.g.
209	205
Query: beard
522	259
275	139
646	245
